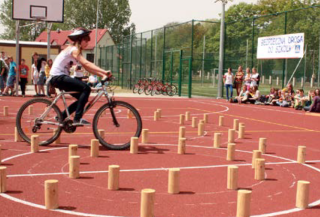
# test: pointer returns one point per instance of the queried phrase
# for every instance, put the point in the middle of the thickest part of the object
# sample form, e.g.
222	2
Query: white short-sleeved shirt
228	78
254	82
35	71
62	62
78	74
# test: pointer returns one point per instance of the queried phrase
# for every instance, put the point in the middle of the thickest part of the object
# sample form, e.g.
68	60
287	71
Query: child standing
23	76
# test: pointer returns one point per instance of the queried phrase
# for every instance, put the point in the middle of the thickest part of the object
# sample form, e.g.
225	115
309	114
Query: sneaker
81	122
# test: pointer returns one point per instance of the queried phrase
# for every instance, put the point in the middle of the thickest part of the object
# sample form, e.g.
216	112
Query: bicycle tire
141	89
174	89
135	88
125	136
148	90
19	126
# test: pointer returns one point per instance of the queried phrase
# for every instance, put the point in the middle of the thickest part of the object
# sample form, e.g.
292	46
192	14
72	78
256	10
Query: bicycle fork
114	119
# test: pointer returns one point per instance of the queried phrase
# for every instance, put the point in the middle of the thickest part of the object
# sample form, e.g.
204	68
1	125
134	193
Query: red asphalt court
203	175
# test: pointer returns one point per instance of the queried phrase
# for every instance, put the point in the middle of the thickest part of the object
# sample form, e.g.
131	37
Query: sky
151	14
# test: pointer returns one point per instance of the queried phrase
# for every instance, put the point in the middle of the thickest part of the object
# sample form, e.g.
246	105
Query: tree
113	15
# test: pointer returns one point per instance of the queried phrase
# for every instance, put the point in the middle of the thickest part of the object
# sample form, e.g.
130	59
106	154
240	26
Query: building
27	48
60	38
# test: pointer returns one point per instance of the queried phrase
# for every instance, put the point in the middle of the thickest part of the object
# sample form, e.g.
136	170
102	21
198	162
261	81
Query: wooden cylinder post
231	151
113	177
206	118
182	146
255	155
134	148
293	81
156	116
187	116
263	145
129	114
217	140
231	133
235	124
194	122
30	110
74	164
101	133
17	137
201	129
277	81
3	179
221	120
147	203
270	79
301	154
174	181
182	132
243	203
302	82
5	111
182	118
232	182
259	169
241	132
159	112
57	141
51	194
73	150
263	78
302	197
145	136
94	152
34	143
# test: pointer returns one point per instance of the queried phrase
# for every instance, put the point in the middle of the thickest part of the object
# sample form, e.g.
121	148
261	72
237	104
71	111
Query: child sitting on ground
299	100
309	100
239	98
285	99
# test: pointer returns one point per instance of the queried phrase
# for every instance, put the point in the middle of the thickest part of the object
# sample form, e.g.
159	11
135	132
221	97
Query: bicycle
118	119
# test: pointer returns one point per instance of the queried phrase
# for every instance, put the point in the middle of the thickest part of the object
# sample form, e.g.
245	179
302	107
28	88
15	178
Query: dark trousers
66	83
23	82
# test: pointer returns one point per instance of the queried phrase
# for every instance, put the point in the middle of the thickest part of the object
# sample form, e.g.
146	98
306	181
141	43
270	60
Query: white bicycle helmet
79	34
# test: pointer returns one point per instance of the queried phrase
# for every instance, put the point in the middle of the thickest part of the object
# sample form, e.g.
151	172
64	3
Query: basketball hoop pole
49	26
17	56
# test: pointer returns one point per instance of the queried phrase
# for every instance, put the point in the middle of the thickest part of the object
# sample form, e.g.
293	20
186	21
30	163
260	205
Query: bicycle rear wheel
135	88
120	121
29	121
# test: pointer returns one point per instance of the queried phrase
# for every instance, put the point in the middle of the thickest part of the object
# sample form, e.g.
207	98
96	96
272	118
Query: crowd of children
286	97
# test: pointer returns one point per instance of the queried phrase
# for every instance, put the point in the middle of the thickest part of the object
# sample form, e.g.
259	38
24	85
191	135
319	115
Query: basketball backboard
35	10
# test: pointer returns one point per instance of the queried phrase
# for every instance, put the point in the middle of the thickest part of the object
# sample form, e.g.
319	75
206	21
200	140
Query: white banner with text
289	46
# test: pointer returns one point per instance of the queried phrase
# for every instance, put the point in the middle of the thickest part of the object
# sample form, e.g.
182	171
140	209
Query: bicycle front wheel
36	117
114	124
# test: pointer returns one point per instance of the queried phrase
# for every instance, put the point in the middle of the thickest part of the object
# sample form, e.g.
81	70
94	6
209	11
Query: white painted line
289	161
56	210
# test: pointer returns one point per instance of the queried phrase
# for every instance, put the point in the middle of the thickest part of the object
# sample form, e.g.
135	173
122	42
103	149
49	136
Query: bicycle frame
101	91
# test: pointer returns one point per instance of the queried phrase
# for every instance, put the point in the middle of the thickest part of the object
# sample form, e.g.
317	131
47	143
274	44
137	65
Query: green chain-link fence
187	54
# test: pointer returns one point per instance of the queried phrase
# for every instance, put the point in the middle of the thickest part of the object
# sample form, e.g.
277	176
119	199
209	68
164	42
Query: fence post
190	62
130	68
252	45
171	71
284	61
180	73
164	53
151	54
140	55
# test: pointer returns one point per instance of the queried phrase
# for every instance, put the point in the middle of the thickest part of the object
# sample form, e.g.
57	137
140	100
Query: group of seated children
283	98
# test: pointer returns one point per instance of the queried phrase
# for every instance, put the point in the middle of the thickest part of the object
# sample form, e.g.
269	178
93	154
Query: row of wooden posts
147	195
